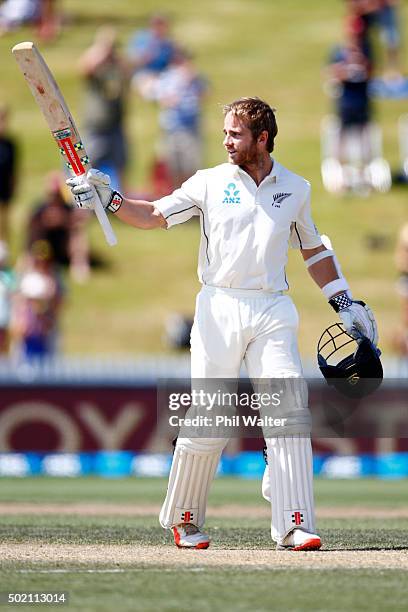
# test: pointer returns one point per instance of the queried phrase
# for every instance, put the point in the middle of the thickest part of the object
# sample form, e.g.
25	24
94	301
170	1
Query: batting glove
357	318
83	189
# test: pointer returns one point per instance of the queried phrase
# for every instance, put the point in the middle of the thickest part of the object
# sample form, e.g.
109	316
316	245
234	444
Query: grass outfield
272	49
99	540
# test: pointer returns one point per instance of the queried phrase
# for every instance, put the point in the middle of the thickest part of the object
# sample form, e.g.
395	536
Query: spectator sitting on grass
62	227
37	305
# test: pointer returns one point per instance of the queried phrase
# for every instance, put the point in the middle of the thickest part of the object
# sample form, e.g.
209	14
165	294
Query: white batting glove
83	189
358	318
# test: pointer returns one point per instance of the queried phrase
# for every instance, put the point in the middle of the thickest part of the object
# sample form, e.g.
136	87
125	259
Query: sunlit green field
276	50
100	541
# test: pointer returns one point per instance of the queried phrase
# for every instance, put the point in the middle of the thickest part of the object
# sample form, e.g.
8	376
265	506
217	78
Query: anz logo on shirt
231	194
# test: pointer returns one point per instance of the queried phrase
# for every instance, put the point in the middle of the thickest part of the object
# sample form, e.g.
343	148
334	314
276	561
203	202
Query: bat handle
104	221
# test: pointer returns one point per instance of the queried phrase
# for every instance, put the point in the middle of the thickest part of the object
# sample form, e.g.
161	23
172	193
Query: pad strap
315	258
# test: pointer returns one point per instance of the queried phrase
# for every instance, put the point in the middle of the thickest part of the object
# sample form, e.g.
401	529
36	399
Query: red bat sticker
72	156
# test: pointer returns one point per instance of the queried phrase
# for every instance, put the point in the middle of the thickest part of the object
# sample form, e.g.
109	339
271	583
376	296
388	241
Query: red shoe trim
201	545
176	536
311	544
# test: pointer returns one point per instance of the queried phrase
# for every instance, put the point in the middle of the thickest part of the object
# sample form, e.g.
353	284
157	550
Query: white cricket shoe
187	535
300	540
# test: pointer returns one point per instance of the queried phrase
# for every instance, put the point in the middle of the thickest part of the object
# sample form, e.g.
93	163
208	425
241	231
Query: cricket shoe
187	535
300	540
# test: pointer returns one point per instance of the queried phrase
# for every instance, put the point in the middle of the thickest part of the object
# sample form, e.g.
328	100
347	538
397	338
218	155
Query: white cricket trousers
232	326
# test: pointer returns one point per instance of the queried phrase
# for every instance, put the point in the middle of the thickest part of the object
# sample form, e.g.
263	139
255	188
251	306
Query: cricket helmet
352	366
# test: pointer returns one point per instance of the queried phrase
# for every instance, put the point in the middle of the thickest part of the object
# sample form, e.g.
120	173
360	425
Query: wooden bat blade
56	113
43	87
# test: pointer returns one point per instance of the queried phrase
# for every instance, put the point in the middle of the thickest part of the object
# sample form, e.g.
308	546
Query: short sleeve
185	202
303	232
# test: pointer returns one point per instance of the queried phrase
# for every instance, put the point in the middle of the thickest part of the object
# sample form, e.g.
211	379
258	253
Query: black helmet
355	375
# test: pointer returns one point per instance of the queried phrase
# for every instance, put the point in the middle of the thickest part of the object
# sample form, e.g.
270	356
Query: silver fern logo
279	197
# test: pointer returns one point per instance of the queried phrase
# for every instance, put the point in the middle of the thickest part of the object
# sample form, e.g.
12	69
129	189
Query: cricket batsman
251	209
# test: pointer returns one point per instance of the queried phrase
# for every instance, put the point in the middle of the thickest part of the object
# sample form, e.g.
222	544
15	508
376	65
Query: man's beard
249	157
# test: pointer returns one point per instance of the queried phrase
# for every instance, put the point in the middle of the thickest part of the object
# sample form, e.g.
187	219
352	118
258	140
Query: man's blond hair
256	115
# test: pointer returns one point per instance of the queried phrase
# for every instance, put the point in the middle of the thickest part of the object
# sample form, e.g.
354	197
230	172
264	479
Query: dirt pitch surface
225	511
102	556
118	558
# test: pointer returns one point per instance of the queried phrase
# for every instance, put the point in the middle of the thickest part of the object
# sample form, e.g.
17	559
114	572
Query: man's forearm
322	268
323	272
140	214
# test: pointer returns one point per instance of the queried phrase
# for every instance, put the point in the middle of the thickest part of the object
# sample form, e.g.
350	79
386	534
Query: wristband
115	202
340	301
335	286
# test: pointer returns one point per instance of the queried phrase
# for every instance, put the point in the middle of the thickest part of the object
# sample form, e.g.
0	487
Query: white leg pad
288	485
193	468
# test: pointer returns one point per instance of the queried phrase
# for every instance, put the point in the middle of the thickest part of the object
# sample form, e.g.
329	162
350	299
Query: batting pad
288	485
192	471
293	409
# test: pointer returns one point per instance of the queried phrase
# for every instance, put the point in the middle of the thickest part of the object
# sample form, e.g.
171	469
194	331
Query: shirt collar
272	177
276	170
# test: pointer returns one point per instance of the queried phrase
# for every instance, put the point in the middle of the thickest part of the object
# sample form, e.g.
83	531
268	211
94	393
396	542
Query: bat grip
103	220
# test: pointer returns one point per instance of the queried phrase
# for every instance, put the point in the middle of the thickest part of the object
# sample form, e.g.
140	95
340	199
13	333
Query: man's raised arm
139	213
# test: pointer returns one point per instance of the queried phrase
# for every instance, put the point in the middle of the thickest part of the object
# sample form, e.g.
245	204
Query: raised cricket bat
53	106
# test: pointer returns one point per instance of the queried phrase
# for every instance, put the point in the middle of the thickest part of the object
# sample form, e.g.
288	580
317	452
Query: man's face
160	27
239	142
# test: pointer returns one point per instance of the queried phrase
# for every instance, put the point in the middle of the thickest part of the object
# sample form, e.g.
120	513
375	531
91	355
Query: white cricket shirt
245	229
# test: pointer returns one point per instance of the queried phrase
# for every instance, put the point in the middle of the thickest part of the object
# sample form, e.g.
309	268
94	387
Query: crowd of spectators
352	66
165	73
158	70
32	292
152	67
